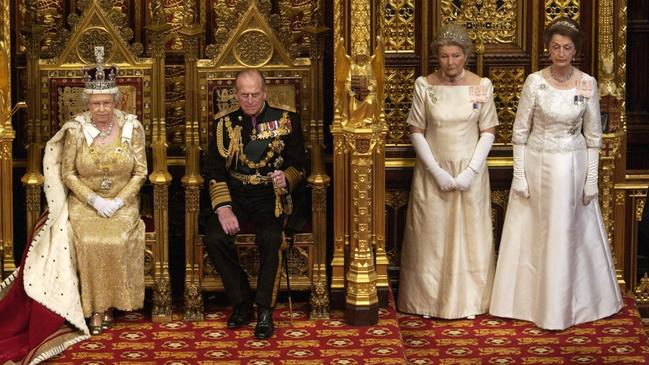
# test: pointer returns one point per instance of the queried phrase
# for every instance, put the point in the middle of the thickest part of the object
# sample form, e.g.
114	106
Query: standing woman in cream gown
104	167
554	266
447	261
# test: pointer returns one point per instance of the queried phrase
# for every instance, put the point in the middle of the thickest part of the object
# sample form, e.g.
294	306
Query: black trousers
260	209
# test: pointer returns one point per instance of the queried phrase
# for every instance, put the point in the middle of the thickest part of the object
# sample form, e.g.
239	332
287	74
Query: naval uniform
241	153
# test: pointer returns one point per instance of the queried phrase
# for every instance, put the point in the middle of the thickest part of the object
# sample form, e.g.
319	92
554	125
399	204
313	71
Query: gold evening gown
110	251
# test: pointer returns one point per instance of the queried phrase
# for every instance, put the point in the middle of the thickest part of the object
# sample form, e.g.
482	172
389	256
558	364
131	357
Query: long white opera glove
464	179
519	181
103	206
590	187
443	179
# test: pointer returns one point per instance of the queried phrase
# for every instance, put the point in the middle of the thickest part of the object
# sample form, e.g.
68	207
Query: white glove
443	179
464	179
590	187
519	182
117	203
103	206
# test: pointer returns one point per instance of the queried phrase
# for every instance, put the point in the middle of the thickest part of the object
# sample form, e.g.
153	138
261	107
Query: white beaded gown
554	266
447	256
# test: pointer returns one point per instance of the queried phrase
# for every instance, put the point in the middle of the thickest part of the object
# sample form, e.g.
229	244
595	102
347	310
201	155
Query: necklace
559	79
104	133
452	80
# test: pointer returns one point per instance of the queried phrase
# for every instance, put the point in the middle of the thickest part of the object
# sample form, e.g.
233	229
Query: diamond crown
100	80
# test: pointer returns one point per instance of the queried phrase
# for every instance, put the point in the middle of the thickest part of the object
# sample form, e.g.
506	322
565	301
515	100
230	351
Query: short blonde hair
452	35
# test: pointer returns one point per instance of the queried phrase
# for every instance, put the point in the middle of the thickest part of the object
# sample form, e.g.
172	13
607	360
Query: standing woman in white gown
447	261
554	266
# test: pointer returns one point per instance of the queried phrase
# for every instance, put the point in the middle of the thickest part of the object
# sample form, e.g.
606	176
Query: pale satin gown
110	251
554	266
447	256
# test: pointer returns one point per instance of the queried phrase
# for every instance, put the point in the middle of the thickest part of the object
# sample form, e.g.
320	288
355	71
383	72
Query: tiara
565	23
452	32
100	80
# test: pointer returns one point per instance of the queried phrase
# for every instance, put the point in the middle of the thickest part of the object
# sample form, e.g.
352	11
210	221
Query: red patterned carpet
486	340
136	341
619	339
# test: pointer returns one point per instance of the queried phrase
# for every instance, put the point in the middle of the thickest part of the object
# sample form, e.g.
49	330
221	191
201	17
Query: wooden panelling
637	86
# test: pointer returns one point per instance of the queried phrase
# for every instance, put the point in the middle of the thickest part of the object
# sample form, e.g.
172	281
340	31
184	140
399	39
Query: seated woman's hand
105	207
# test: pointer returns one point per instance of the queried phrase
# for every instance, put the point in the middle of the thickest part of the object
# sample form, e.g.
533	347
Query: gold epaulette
223	113
282	106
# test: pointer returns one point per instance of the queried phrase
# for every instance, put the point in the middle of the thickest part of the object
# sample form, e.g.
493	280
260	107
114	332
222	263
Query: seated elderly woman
104	166
86	256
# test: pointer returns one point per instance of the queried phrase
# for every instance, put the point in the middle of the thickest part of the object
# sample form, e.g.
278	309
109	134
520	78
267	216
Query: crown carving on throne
98	79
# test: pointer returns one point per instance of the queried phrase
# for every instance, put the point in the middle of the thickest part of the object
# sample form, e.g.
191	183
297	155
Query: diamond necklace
104	133
561	80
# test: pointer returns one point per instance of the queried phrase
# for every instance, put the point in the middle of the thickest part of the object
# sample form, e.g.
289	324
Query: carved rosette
253	48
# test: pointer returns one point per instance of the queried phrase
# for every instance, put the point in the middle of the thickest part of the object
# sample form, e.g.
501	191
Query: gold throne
58	85
289	79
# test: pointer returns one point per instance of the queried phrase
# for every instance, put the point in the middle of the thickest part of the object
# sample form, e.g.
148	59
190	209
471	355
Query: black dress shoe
241	315
265	326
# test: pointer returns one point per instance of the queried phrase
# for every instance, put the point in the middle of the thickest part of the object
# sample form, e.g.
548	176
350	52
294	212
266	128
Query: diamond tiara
565	23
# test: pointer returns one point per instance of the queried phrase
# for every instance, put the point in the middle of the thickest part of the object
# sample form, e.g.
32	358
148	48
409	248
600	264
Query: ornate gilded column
318	179
7	135
359	132
612	57
160	177
33	178
192	181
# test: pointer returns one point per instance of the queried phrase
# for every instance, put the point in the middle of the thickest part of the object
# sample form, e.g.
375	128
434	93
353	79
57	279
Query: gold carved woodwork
398	99
360	34
7	135
395	202
508	84
399	25
115	13
641	292
489	22
252	39
359	130
192	181
176	13
287	24
561	8
175	106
